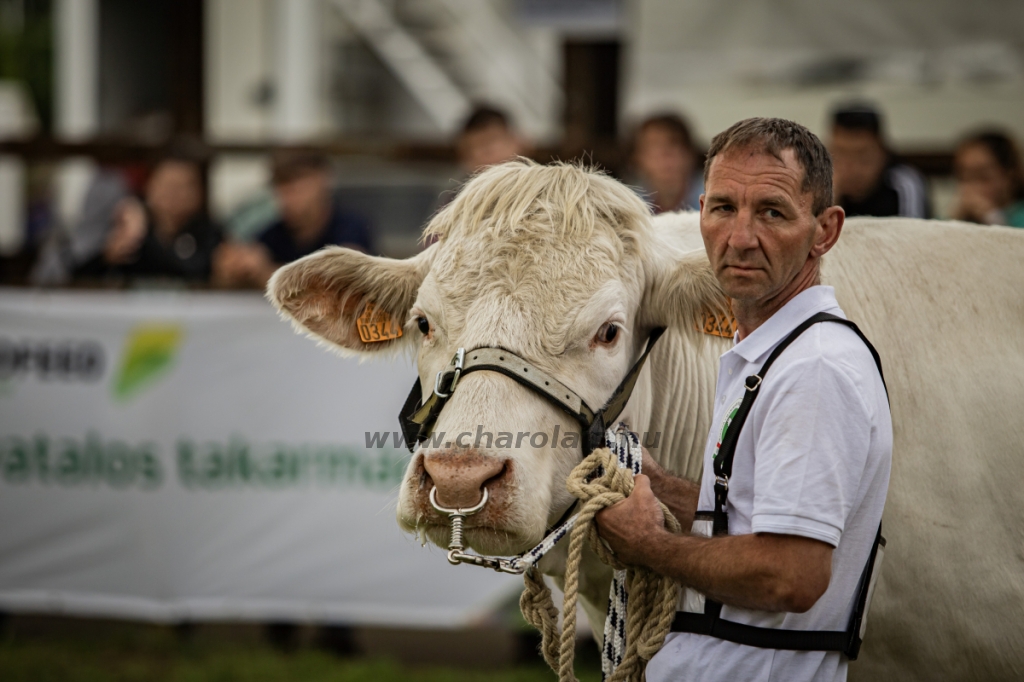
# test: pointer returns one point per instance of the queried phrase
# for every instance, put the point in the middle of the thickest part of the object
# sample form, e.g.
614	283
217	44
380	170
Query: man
310	220
666	161
812	462
867	179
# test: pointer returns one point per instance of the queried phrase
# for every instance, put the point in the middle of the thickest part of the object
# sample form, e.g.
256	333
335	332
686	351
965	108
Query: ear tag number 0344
376	325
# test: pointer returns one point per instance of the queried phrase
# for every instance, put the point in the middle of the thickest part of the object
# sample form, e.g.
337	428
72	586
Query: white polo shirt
813	460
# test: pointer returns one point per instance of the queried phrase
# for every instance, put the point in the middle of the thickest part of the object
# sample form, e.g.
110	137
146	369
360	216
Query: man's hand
127	233
240	265
678	494
632	527
973	205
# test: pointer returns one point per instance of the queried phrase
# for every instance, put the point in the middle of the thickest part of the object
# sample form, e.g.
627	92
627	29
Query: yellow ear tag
719	325
376	325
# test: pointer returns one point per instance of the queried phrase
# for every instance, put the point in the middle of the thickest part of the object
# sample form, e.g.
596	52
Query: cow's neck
676	399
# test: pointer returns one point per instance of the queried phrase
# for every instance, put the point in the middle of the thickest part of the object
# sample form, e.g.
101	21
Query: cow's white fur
535	259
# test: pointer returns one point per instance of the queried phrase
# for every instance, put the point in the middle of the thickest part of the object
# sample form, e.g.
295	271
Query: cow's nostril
496	479
460	476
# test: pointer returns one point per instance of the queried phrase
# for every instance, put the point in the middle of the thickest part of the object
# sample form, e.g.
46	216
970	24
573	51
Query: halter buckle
458	360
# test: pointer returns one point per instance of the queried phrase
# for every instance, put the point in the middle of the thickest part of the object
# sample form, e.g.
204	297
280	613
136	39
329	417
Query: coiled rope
599	481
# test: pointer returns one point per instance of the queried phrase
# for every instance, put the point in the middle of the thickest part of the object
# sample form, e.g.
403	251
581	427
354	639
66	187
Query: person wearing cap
868	180
310	220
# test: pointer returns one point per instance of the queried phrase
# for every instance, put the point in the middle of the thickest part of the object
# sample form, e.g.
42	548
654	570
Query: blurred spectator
165	235
487	138
310	220
668	164
65	251
990	183
867	179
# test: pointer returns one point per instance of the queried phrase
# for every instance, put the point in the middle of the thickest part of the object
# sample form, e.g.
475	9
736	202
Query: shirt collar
817	299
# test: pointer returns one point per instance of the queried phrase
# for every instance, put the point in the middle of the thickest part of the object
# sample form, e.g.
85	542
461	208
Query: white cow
565	268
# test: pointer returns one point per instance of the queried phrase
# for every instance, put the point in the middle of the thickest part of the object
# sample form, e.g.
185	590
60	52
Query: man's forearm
765	573
678	494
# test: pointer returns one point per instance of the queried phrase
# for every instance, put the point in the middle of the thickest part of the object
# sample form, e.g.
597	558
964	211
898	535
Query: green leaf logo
149	352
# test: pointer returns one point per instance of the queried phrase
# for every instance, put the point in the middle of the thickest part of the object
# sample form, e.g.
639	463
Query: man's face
662	159
488	146
304	198
758	224
858	159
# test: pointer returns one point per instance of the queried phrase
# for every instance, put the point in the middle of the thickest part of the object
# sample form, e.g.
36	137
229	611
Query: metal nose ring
455	545
459	511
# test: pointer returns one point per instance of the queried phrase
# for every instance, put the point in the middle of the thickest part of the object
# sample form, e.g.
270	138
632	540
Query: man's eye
772	213
721	208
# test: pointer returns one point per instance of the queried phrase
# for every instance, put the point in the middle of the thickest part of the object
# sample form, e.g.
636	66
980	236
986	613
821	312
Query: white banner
175	456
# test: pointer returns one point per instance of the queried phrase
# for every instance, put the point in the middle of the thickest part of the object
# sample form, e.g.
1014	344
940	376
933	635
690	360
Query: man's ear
830	226
325	293
681	288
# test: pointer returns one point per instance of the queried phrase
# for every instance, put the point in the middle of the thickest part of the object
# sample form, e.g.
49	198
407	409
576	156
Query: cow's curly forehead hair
773	136
522	197
535	242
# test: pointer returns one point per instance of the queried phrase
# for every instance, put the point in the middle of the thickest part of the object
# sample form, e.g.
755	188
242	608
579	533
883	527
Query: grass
146	653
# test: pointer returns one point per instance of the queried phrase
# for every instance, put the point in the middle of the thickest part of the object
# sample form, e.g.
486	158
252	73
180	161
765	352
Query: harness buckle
458	360
722	481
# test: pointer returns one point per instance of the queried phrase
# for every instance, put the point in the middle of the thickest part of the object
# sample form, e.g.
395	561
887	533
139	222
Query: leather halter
418	416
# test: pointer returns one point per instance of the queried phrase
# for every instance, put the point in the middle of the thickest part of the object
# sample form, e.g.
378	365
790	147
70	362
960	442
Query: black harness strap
709	622
727	451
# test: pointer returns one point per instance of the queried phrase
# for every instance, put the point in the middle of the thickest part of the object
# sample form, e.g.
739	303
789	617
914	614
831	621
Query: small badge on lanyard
377	325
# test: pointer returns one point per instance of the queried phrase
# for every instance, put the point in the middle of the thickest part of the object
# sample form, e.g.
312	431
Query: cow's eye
423	324
607	333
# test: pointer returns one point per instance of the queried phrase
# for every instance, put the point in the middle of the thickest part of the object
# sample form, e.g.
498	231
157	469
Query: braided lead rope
642	620
529	559
625	445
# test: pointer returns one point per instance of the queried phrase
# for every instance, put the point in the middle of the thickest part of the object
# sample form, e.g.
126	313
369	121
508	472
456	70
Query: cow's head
557	264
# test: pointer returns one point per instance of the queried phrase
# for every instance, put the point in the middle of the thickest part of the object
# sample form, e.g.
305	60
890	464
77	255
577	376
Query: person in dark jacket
310	220
867	178
164	235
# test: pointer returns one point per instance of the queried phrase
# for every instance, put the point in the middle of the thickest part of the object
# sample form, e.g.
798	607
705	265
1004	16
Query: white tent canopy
936	67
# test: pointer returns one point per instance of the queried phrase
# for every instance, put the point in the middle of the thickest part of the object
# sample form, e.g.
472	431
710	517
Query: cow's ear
332	293
681	288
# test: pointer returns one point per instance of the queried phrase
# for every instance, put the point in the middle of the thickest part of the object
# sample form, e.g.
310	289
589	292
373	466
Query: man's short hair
671	123
858	116
485	116
288	165
773	136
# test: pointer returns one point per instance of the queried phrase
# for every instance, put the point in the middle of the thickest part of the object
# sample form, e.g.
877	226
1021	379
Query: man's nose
743	235
459	474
